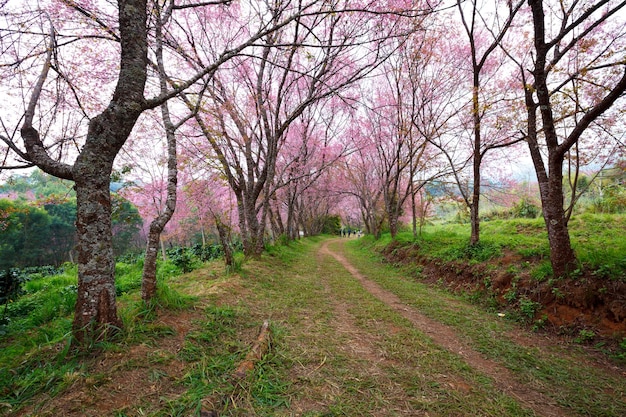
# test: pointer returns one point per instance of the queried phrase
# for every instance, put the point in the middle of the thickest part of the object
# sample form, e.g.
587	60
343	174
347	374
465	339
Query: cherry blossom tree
96	312
213	199
315	143
393	147
437	107
477	24
358	178
149	280
573	78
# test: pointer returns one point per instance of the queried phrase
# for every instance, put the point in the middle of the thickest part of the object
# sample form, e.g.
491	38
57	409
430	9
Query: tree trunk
273	224
260	232
243	223
393	222
224	235
279	221
413	192
148	277
291	215
562	256
202	234
251	238
95	311
474	205
474	220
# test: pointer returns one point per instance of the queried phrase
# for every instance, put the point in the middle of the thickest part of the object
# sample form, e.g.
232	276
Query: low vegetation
597	238
335	349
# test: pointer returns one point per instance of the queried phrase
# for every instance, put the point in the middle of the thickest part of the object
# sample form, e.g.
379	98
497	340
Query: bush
43	299
613	200
182	258
131	257
12	281
525	209
332	225
528	308
10	284
479	252
207	252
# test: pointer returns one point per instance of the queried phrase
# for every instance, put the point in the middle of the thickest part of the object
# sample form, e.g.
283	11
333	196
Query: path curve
446	337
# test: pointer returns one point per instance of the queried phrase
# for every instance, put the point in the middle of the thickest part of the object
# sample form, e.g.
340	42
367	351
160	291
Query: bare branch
595	112
201	4
91	16
35	150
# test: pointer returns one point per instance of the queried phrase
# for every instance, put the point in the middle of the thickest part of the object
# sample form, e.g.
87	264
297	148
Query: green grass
409	349
520	246
212	352
598	240
35	327
316	367
36	333
127	277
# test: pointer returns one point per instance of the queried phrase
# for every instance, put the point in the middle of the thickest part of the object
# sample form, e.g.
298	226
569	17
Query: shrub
525	209
528	307
182	258
613	200
585	336
131	257
332	225
207	252
478	252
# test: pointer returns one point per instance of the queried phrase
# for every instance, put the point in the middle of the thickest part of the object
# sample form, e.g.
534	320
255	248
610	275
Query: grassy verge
35	334
596	238
509	271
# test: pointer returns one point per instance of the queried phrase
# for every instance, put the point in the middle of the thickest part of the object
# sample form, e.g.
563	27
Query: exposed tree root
260	347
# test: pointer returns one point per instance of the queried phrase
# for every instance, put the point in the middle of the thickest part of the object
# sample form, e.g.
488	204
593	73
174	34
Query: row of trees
272	115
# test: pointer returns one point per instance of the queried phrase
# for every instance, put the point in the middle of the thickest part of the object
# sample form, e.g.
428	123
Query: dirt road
440	334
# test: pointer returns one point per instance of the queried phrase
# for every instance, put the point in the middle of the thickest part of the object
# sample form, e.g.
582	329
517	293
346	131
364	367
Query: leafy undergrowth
509	272
335	351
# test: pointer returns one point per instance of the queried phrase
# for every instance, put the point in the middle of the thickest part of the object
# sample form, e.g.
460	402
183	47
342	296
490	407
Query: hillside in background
37	222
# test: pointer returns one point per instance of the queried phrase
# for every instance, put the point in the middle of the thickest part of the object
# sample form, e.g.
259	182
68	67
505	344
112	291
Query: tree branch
35	150
595	112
